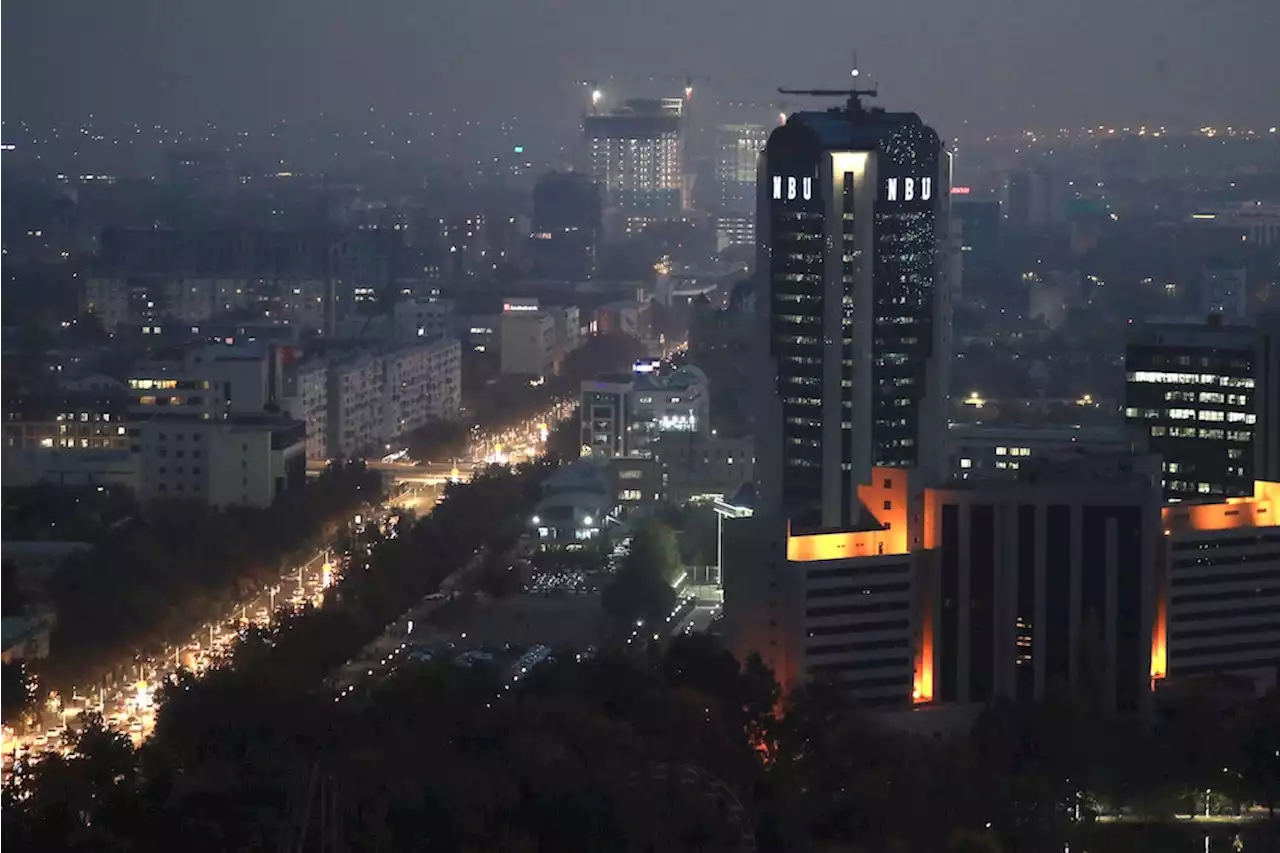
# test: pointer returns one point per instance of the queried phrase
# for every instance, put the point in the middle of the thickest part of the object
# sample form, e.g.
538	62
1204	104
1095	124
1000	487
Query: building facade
527	339
1206	398
67	439
1220	613
636	157
1043	585
985	451
853	346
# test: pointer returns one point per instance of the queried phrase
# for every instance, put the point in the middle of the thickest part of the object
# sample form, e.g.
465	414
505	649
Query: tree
654	551
17	690
15	598
642	588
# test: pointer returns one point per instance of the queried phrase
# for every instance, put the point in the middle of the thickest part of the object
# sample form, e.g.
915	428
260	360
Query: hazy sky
998	63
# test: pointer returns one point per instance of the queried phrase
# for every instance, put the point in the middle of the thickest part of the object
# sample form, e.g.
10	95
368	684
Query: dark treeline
679	749
180	564
682	750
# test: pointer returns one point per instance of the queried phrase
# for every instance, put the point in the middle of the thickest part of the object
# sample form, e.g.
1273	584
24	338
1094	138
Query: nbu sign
908	189
790	189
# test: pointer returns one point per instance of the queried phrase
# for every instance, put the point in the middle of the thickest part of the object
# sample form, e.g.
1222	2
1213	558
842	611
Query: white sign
790	189
910	189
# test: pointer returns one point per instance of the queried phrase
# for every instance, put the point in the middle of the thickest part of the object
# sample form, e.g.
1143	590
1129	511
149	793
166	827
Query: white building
359	404
423	320
568	325
527	339
211	382
1218	613
308	401
421	384
239	462
356	410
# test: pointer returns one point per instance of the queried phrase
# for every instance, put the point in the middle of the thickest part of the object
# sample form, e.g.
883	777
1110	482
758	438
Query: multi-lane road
128	701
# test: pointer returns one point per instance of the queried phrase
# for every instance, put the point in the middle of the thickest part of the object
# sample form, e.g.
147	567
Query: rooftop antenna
853	95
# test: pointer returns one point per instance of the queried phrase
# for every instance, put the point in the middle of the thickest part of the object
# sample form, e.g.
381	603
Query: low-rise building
987	451
576	503
67	439
694	464
358	403
241	461
527	339
1220	612
424	320
626	414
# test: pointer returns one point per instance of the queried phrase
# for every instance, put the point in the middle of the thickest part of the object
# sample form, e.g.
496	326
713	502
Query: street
127	701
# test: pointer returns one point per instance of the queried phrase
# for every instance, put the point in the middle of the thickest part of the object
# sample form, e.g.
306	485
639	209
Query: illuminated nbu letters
908	189
790	189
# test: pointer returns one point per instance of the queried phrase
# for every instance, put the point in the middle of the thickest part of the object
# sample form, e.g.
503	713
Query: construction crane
597	93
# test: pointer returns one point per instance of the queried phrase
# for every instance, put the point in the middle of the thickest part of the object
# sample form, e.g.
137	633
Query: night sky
999	64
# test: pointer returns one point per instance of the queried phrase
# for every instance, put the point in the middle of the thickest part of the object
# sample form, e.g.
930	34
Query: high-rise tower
854	244
856	261
635	155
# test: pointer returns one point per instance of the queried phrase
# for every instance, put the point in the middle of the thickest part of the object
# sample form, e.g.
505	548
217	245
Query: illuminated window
966	463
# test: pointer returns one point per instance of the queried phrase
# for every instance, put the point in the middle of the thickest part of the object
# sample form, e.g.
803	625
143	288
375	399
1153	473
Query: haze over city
1000	65
703	427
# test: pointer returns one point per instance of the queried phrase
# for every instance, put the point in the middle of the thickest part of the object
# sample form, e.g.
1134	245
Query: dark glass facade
885	171
1192	399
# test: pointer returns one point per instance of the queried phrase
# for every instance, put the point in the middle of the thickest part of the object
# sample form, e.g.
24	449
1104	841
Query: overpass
421	474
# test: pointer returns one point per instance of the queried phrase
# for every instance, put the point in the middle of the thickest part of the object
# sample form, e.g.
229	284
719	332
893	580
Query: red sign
960	190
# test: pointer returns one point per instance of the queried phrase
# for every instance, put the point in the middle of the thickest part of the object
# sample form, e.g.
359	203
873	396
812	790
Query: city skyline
1080	65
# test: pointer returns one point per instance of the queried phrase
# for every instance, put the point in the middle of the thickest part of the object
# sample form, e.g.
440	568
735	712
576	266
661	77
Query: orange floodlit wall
1261	510
888	488
922	684
1159	641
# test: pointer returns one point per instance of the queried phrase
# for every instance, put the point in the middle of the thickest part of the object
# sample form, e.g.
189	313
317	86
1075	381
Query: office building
69	439
854	332
993	451
854	216
1205	397
567	226
527	339
738	148
695	465
1220	613
205	426
244	460
207	382
635	156
981	226
1045	584
626	415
